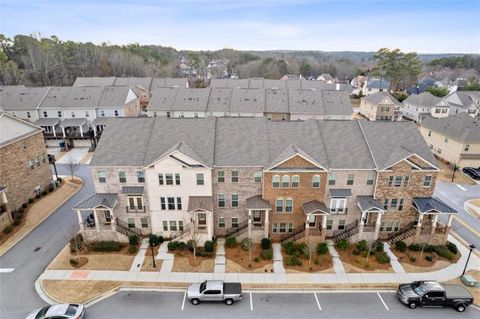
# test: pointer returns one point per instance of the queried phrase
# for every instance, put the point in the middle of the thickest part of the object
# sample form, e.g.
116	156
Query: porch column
324	227
81	130
447	228
54	133
250	224
419	227
360	228
377	224
307	227
265	230
450	219
97	224
80	221
4	197
95	131
112	224
209	225
434	224
63	131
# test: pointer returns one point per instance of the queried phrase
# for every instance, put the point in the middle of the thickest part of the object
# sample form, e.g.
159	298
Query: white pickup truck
215	290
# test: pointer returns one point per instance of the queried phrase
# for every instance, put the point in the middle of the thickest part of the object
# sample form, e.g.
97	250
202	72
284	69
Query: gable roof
460	127
14	129
248	100
289	152
21	98
56	97
143	83
377	84
378	97
107	200
422	100
113	96
94	81
83	97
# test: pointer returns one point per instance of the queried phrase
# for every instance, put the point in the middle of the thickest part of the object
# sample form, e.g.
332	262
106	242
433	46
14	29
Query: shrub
76	242
289	248
246	244
256	259
231	242
189	245
37	196
382	257
444	252
452	247
44	193
367	265
428	248
73	262
24	205
316	261
59	179
413	259
291	260
266	243
30	200
415	247
208	246
267	254
18	216
378	246
133	240
355	252
306	253
401	246
172	245
132	249
322	248
362	245
51	187
107	246
429	258
16	222
20	210
155	240
343	244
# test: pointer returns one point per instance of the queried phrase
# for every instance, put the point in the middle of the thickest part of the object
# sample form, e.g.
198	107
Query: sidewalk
40	210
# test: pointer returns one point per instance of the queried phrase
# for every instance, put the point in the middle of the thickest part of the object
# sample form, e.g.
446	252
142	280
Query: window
221	200
398	181
122	177
429	133
282	228
285	181
350	179
341	224
221	222
182	114
139	203
165	225
385	204
221	176
370	179
168	179
168	114
400	204
177	179
437	110
202	219
444	110
329	224
276	181
200	180
393	203
171	203
331	179
59	113
234	176
295	181
38	160
446	140
141	176
45	114
338	205
31	165
87	114
390	181
180	225
179	203
258	176
289	205
269	117
29	115
406	179
274	228
102	177
162	203
144	221
279	205
467	147
316	181
131	222
115	112
439	151
427	181
311	220
234	200
160	179
72	114
173	225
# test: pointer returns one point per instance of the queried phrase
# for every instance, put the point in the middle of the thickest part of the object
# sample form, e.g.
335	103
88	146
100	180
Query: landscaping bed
354	257
185	261
297	257
247	256
148	263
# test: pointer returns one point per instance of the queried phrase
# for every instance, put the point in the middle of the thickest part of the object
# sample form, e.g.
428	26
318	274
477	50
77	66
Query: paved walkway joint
277	259
337	263
220	258
397	267
140	257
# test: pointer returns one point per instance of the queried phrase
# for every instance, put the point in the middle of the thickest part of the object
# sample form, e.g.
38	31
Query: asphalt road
148	305
455	195
17	292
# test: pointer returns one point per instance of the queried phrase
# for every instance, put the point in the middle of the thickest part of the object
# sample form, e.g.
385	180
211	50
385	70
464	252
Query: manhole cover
37	249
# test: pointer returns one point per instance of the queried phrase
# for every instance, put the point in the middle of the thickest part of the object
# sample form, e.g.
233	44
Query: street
31	255
148	305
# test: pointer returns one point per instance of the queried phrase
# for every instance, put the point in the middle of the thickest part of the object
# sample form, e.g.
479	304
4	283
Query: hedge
231	242
266	243
107	246
322	248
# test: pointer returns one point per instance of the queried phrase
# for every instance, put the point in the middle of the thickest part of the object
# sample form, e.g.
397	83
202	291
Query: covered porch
370	220
75	128
428	228
258	210
51	127
200	226
316	214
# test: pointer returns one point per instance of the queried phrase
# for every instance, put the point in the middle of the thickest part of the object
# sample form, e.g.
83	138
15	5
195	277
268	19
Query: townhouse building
380	106
251	177
418	106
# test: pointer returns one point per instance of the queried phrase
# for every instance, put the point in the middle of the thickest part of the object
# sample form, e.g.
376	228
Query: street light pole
472	247
153	254
454	170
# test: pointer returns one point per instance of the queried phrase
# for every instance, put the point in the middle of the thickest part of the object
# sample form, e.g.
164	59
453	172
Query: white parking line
184	297
461	187
251	302
383	301
5	270
318	302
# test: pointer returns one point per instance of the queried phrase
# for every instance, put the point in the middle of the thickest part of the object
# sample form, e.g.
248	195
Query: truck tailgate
456	291
232	288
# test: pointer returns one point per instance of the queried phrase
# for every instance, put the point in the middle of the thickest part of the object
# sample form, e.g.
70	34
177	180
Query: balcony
338	211
134	209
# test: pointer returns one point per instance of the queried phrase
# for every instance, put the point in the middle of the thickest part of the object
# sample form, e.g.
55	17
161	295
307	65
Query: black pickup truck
434	294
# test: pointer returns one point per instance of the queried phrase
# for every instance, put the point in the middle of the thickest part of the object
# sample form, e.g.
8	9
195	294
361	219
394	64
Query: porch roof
431	205
200	202
315	206
257	202
103	120
107	200
368	203
47	122
132	190
340	192
74	122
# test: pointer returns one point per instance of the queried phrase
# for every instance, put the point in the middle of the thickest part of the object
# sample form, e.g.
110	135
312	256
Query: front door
257	218
108	216
202	220
311	221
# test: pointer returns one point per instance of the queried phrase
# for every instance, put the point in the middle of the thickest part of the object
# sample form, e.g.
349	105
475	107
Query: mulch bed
194	262
324	263
421	262
82	262
240	257
359	261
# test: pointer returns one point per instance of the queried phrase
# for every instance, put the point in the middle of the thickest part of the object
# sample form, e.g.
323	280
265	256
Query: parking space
282	305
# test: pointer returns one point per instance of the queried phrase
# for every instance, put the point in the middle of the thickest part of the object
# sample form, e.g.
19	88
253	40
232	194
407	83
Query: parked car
215	290
434	294
59	311
472	172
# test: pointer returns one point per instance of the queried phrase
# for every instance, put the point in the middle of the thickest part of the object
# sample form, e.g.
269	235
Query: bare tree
76	242
72	166
193	235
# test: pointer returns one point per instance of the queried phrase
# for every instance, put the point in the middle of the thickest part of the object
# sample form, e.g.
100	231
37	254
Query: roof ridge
368	144
265	121
323	143
214	140
149	139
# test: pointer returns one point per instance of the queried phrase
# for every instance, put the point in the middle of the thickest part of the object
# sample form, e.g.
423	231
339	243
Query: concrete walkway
220	258
75	155
397	267
140	257
167	258
278	259
337	263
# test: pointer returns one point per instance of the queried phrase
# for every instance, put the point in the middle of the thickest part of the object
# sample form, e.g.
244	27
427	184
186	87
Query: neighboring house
256	83
289	77
250	177
456	138
373	86
422	85
24	167
326	78
463	101
418	106
380	106
21	101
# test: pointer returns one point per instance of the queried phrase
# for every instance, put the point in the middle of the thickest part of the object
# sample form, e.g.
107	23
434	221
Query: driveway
31	256
75	155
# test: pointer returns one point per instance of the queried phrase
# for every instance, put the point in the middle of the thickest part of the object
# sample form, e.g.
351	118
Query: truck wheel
195	301
229	302
412	305
460	307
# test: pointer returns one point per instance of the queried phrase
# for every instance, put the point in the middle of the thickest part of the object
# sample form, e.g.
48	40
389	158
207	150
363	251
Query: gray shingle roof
133	81
94	81
200	202
276	100
460	127
248	101
56	97
378	97
47	121
191	99
306	102
21	98
377	84
367	203
168	83
113	96
163	99
257	202
337	102
220	100
83	97
340	192
422	100
132	190
78	121
431	204
100	199
315	206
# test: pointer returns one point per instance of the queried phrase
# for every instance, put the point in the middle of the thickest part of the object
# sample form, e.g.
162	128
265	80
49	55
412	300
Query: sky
423	26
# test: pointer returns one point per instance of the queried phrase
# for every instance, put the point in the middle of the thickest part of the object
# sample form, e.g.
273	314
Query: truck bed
232	288
456	291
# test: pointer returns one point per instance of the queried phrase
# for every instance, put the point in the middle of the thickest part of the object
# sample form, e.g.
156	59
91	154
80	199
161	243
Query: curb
44	218
43	294
474	214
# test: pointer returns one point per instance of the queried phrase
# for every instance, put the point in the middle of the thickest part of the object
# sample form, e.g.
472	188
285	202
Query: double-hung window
171	203
295	181
316	181
160	179
400	204
221	200
331	179
221	176
398	181
200	179
122	177
234	177
169	179
179	203
234	200
338	205
350	179
406	179
177	179
102	177
390	181
285	181
258	176
393	204
427	181
141	176
276	181
288	205
163	205
279	205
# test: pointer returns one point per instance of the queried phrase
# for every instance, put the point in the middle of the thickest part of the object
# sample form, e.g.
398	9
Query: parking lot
268	305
